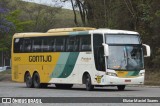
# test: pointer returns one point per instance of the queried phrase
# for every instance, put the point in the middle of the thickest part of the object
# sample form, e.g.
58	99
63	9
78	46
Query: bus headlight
141	74
111	74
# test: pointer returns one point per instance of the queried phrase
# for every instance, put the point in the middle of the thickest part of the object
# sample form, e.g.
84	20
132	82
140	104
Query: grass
152	77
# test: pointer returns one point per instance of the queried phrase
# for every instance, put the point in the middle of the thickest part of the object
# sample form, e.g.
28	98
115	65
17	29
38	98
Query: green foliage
142	16
21	25
157	13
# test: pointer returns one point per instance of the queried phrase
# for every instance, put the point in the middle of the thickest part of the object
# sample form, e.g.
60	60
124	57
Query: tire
64	86
36	81
28	80
88	83
121	87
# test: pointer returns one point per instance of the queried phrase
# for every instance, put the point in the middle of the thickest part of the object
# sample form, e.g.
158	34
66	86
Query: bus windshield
125	52
125	57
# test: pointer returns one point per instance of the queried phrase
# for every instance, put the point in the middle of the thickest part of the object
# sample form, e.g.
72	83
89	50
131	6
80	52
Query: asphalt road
12	89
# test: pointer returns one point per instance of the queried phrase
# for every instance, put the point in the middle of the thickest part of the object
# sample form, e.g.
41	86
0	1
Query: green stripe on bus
130	73
60	65
133	73
70	64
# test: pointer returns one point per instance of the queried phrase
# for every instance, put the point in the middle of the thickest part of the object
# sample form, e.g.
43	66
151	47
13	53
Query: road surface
12	89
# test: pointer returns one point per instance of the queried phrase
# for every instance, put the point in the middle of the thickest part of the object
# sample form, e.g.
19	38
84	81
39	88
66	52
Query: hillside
65	18
40	17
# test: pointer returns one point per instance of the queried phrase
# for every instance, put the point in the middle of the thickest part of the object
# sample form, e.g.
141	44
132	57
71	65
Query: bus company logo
6	100
98	78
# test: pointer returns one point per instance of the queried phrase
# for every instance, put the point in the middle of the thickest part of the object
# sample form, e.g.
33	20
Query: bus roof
66	31
54	32
31	34
70	29
113	31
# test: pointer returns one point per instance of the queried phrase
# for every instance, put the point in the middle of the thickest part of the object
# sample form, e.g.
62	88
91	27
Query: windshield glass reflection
128	57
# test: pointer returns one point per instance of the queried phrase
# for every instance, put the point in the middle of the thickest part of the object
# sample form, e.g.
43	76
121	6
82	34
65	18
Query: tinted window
59	44
27	45
72	44
99	52
48	44
37	43
18	45
85	43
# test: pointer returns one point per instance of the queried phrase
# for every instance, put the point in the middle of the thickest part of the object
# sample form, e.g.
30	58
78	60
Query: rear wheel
36	81
28	80
121	87
88	83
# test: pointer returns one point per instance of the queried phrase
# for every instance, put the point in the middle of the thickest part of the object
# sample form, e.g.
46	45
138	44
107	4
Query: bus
79	55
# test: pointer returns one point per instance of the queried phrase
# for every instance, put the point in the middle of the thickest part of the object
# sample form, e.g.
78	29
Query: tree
6	28
138	15
43	16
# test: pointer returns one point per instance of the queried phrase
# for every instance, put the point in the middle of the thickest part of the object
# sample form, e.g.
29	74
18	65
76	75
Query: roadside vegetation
152	77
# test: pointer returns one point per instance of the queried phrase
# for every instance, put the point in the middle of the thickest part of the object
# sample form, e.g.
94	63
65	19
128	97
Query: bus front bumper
113	80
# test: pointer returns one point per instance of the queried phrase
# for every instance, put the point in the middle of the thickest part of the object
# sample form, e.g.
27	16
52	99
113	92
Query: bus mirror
148	50
106	50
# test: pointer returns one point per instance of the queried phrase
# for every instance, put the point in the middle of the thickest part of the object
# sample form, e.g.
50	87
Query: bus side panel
33	62
84	63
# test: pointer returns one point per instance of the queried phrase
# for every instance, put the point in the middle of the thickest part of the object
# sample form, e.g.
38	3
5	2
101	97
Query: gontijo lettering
40	58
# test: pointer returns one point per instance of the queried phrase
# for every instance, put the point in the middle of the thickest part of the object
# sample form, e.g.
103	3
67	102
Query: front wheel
121	87
88	83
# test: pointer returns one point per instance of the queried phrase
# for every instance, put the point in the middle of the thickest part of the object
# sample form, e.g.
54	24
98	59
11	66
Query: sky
66	5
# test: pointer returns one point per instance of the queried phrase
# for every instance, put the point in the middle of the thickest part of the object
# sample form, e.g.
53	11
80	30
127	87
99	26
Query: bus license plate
127	80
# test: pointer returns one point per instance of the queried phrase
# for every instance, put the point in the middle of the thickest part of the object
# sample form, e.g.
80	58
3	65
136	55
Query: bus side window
48	44
85	43
59	44
37	44
77	44
27	45
45	44
18	45
72	44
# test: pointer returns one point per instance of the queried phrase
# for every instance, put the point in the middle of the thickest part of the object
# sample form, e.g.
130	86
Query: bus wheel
88	83
121	87
28	80
36	80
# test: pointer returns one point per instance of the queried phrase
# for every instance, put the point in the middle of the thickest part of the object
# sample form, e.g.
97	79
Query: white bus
67	56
